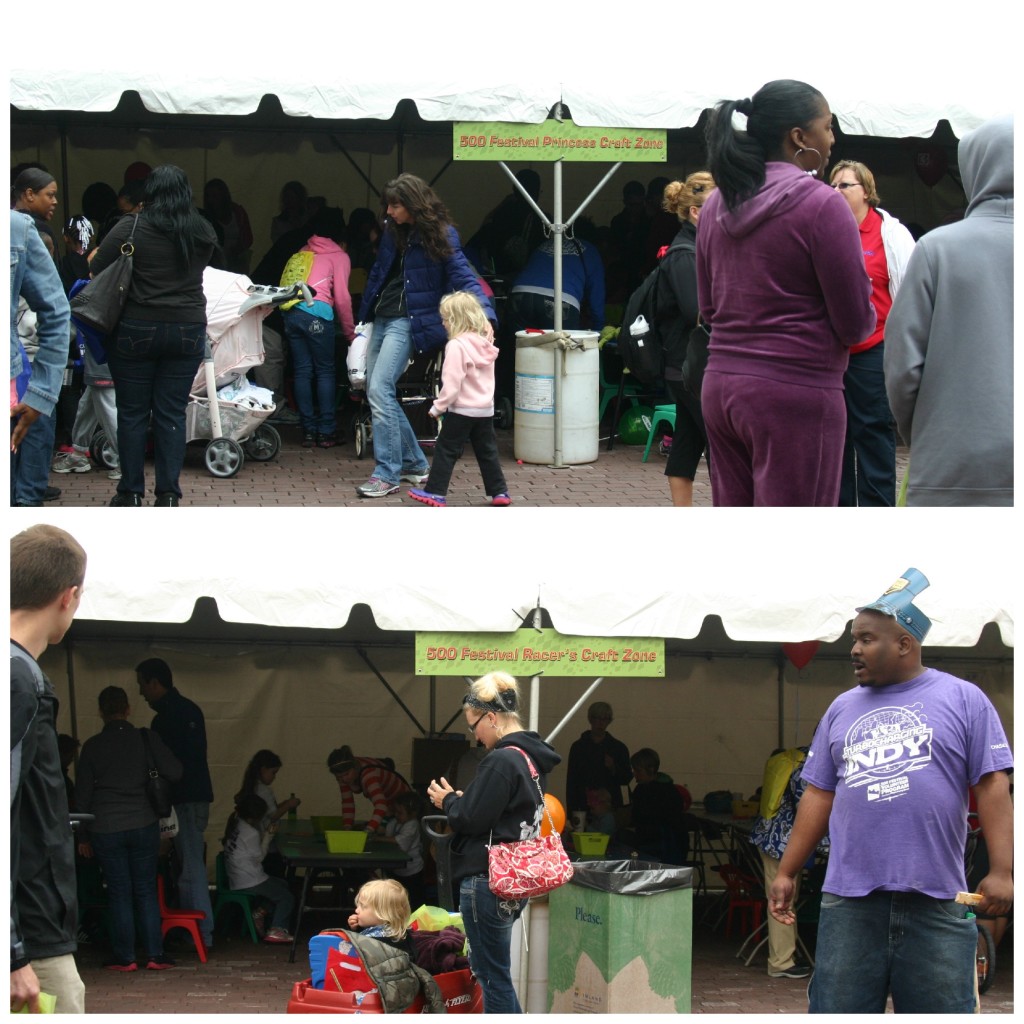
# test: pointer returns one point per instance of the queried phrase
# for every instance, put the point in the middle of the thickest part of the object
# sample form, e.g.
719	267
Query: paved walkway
300	477
244	978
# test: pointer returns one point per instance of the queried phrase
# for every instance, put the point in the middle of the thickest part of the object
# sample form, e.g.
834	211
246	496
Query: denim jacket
34	275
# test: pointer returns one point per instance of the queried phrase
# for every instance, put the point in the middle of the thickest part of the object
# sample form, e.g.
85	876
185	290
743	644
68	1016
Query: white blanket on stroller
242	392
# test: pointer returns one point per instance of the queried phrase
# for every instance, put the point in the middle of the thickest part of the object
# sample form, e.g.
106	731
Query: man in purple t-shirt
888	774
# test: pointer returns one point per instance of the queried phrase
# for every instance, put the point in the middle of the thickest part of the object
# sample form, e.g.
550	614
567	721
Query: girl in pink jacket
312	330
466	401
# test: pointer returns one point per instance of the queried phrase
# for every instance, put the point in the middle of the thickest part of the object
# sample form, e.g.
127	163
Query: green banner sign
527	651
557	140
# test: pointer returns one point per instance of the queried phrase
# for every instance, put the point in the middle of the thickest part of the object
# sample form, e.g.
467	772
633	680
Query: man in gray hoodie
954	316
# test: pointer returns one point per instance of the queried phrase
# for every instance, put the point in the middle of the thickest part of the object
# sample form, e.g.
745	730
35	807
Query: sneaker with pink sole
426	498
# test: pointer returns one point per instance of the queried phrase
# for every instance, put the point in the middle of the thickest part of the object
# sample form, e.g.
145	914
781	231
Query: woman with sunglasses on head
869	458
502	804
781	282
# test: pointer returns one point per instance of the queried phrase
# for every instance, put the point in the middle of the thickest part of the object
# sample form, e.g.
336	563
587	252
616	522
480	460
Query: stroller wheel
503	413
264	444
224	457
362	438
102	451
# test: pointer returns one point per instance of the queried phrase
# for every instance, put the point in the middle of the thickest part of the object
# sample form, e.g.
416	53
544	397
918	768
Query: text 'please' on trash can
621	939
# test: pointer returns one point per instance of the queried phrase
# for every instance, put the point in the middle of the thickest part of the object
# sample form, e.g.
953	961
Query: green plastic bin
620	939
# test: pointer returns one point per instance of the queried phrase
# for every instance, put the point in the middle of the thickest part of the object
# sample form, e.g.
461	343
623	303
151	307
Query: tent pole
541	215
387	686
597	188
71	688
348	156
559	353
781	702
528	933
572	711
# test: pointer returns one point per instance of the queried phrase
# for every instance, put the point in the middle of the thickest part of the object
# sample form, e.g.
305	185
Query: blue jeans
276	891
869	458
918	948
30	464
128	860
312	344
488	921
395	447
193	885
153	365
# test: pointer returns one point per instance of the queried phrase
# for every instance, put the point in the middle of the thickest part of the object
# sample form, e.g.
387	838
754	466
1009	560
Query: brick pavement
244	978
300	477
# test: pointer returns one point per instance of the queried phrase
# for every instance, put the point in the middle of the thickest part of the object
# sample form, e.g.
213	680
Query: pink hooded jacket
467	376
329	276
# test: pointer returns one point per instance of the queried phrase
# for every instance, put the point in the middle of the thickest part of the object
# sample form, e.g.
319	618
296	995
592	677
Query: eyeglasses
472	729
844	185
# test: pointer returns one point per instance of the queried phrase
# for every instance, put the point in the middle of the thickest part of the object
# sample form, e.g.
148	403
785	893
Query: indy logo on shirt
882	747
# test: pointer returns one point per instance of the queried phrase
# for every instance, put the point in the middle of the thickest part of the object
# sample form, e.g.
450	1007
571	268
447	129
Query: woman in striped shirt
375	778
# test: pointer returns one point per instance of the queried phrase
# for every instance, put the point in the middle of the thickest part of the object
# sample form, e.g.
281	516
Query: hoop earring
808	149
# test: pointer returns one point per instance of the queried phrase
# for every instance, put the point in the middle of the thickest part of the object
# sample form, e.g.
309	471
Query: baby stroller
234	419
417	388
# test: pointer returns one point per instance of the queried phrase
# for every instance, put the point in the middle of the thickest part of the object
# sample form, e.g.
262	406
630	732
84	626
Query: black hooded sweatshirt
502	797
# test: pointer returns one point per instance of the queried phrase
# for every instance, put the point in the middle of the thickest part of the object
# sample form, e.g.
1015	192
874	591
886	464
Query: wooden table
301	847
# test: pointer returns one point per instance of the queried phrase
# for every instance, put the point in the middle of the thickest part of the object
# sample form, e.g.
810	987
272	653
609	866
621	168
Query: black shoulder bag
101	302
158	789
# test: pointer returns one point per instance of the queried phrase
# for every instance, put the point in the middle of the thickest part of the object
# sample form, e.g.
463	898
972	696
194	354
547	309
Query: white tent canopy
512	65
762	590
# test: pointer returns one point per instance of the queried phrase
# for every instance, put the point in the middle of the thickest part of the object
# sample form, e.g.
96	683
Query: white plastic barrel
534	425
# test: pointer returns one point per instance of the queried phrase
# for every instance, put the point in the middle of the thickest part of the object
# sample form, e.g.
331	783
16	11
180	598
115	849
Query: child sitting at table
245	846
382	912
403	828
600	816
658	827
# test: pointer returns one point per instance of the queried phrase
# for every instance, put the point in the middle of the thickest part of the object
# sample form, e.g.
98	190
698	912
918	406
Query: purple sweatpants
773	443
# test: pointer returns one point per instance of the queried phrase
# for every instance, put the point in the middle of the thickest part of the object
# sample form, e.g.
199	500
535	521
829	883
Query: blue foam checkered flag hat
897	601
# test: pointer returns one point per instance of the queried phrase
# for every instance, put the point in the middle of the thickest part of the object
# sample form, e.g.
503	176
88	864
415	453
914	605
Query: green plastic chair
662	414
225	896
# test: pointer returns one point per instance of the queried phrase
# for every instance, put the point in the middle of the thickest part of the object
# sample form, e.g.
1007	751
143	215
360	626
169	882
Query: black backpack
644	355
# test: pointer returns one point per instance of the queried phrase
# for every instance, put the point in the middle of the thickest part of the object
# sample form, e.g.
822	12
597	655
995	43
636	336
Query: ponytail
736	159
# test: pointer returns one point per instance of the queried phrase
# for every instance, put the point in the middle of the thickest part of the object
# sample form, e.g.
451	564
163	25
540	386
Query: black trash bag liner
631	877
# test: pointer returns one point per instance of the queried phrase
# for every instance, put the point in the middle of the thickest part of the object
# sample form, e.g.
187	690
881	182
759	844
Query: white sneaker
376	488
416	478
114	474
70	462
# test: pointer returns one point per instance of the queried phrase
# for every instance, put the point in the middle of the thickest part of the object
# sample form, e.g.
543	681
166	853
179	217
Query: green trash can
620	939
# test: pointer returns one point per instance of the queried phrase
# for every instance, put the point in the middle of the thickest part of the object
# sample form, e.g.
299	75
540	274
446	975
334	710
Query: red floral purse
529	867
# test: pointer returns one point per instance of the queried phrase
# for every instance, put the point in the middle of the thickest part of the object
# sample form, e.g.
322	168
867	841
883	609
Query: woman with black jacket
677	313
158	347
502	804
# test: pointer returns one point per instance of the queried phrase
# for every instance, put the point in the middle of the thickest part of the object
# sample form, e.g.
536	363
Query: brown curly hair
430	216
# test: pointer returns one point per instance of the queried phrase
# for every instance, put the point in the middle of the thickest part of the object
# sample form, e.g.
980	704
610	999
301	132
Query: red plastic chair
172	917
745	898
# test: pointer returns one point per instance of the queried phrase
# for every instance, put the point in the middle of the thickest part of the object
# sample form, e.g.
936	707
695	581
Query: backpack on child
642	339
296	271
